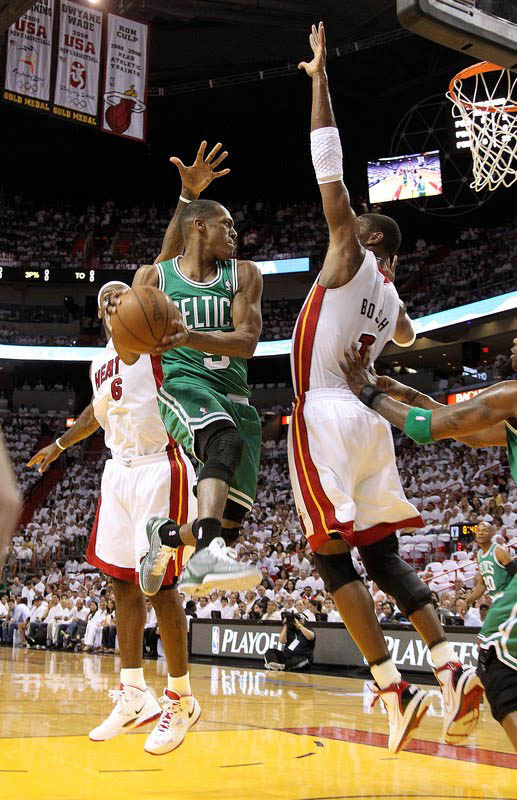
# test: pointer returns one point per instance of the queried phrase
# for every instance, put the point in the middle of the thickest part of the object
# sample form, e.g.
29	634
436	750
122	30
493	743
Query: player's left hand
319	48
202	172
355	372
389	267
177	337
112	301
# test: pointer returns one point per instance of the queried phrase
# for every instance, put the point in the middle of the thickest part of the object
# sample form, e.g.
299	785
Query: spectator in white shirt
329	609
272	612
225	611
29	593
92	637
203	610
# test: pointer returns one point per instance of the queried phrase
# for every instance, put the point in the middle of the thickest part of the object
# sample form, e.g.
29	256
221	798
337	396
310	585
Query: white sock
179	685
385	674
133	677
442	653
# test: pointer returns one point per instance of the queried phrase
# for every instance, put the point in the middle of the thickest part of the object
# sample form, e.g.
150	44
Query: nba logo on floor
216	640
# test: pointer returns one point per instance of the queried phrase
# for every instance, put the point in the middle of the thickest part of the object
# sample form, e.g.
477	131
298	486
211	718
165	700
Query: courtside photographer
295	647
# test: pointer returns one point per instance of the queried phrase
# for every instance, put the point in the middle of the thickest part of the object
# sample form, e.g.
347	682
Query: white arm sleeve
327	155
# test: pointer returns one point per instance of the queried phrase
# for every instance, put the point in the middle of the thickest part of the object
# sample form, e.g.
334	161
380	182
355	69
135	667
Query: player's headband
106	286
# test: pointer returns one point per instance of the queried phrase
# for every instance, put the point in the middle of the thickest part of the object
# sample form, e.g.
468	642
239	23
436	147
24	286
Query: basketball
143	318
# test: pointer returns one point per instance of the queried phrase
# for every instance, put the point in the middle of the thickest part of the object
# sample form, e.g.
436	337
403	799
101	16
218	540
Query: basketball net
484	96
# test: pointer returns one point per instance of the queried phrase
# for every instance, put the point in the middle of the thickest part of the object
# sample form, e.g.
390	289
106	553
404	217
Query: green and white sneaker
212	568
154	565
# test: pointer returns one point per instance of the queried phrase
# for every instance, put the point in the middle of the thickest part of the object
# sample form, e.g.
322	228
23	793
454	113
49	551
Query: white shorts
132	490
343	471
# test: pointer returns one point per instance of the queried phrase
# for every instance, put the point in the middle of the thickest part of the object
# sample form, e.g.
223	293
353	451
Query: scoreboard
100	276
58	275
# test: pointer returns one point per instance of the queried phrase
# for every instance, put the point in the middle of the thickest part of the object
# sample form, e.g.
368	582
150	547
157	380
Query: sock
133	677
385	674
179	685
442	653
170	534
206	530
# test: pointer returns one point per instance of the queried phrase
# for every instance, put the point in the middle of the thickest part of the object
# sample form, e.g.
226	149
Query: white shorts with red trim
343	471
132	490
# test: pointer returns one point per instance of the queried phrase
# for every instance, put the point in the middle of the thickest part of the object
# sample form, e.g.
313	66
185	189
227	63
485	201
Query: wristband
59	444
184	199
418	425
368	394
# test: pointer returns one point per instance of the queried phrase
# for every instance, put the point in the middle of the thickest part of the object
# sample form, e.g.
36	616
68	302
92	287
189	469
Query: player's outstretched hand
202	172
355	372
319	48
45	457
112	300
177	337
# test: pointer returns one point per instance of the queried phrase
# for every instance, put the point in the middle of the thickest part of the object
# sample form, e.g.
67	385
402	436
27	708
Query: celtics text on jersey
203	307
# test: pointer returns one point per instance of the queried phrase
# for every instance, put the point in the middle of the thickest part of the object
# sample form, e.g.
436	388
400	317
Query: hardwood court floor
261	735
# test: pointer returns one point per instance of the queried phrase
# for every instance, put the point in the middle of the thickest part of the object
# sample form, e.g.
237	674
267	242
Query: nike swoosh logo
191	713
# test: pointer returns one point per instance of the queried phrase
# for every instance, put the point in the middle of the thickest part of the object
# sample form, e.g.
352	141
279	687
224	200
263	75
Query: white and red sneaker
462	693
179	713
405	706
133	708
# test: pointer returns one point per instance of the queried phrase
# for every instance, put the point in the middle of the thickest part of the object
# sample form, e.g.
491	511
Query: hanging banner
28	63
124	103
76	94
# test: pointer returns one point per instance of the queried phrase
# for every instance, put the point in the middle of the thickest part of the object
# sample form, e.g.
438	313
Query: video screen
405	177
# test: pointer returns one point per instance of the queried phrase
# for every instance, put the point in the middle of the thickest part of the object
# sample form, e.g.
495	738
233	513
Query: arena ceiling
194	40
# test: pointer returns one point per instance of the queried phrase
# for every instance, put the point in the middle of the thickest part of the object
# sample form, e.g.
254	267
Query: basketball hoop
485	98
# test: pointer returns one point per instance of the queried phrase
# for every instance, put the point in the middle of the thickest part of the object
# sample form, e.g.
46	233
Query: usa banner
76	93
29	52
124	103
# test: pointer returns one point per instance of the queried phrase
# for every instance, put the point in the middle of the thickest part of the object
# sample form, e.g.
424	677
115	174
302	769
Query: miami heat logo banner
124	104
29	51
76	94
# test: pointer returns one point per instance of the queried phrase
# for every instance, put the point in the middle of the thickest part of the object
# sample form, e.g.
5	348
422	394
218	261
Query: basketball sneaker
154	565
212	568
462	693
179	713
133	708
405	706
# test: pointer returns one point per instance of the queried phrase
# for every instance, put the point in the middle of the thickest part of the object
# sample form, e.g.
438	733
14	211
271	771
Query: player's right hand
45	456
201	173
319	48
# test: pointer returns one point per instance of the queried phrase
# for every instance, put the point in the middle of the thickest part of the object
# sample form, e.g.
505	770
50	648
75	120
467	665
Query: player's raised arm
492	406
345	252
84	426
194	180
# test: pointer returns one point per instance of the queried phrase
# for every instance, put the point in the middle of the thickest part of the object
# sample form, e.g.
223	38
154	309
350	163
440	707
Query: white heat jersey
125	404
364	311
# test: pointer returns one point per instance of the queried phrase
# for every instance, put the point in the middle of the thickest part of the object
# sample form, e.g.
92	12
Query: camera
289	617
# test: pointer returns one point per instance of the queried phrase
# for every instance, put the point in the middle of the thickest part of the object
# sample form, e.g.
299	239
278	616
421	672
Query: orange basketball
143	318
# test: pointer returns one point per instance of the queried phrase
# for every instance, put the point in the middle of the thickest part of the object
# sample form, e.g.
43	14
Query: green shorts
187	407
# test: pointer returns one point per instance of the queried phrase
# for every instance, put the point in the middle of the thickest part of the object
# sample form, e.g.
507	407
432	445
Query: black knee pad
335	570
221	452
393	576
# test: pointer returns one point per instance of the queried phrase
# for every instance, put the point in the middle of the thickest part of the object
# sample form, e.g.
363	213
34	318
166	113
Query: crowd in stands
481	262
54	598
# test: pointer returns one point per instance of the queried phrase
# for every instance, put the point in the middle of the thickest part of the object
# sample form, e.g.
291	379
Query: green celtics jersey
493	573
205	307
500	626
511	440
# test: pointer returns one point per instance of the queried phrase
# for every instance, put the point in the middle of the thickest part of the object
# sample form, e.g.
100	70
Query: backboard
483	29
